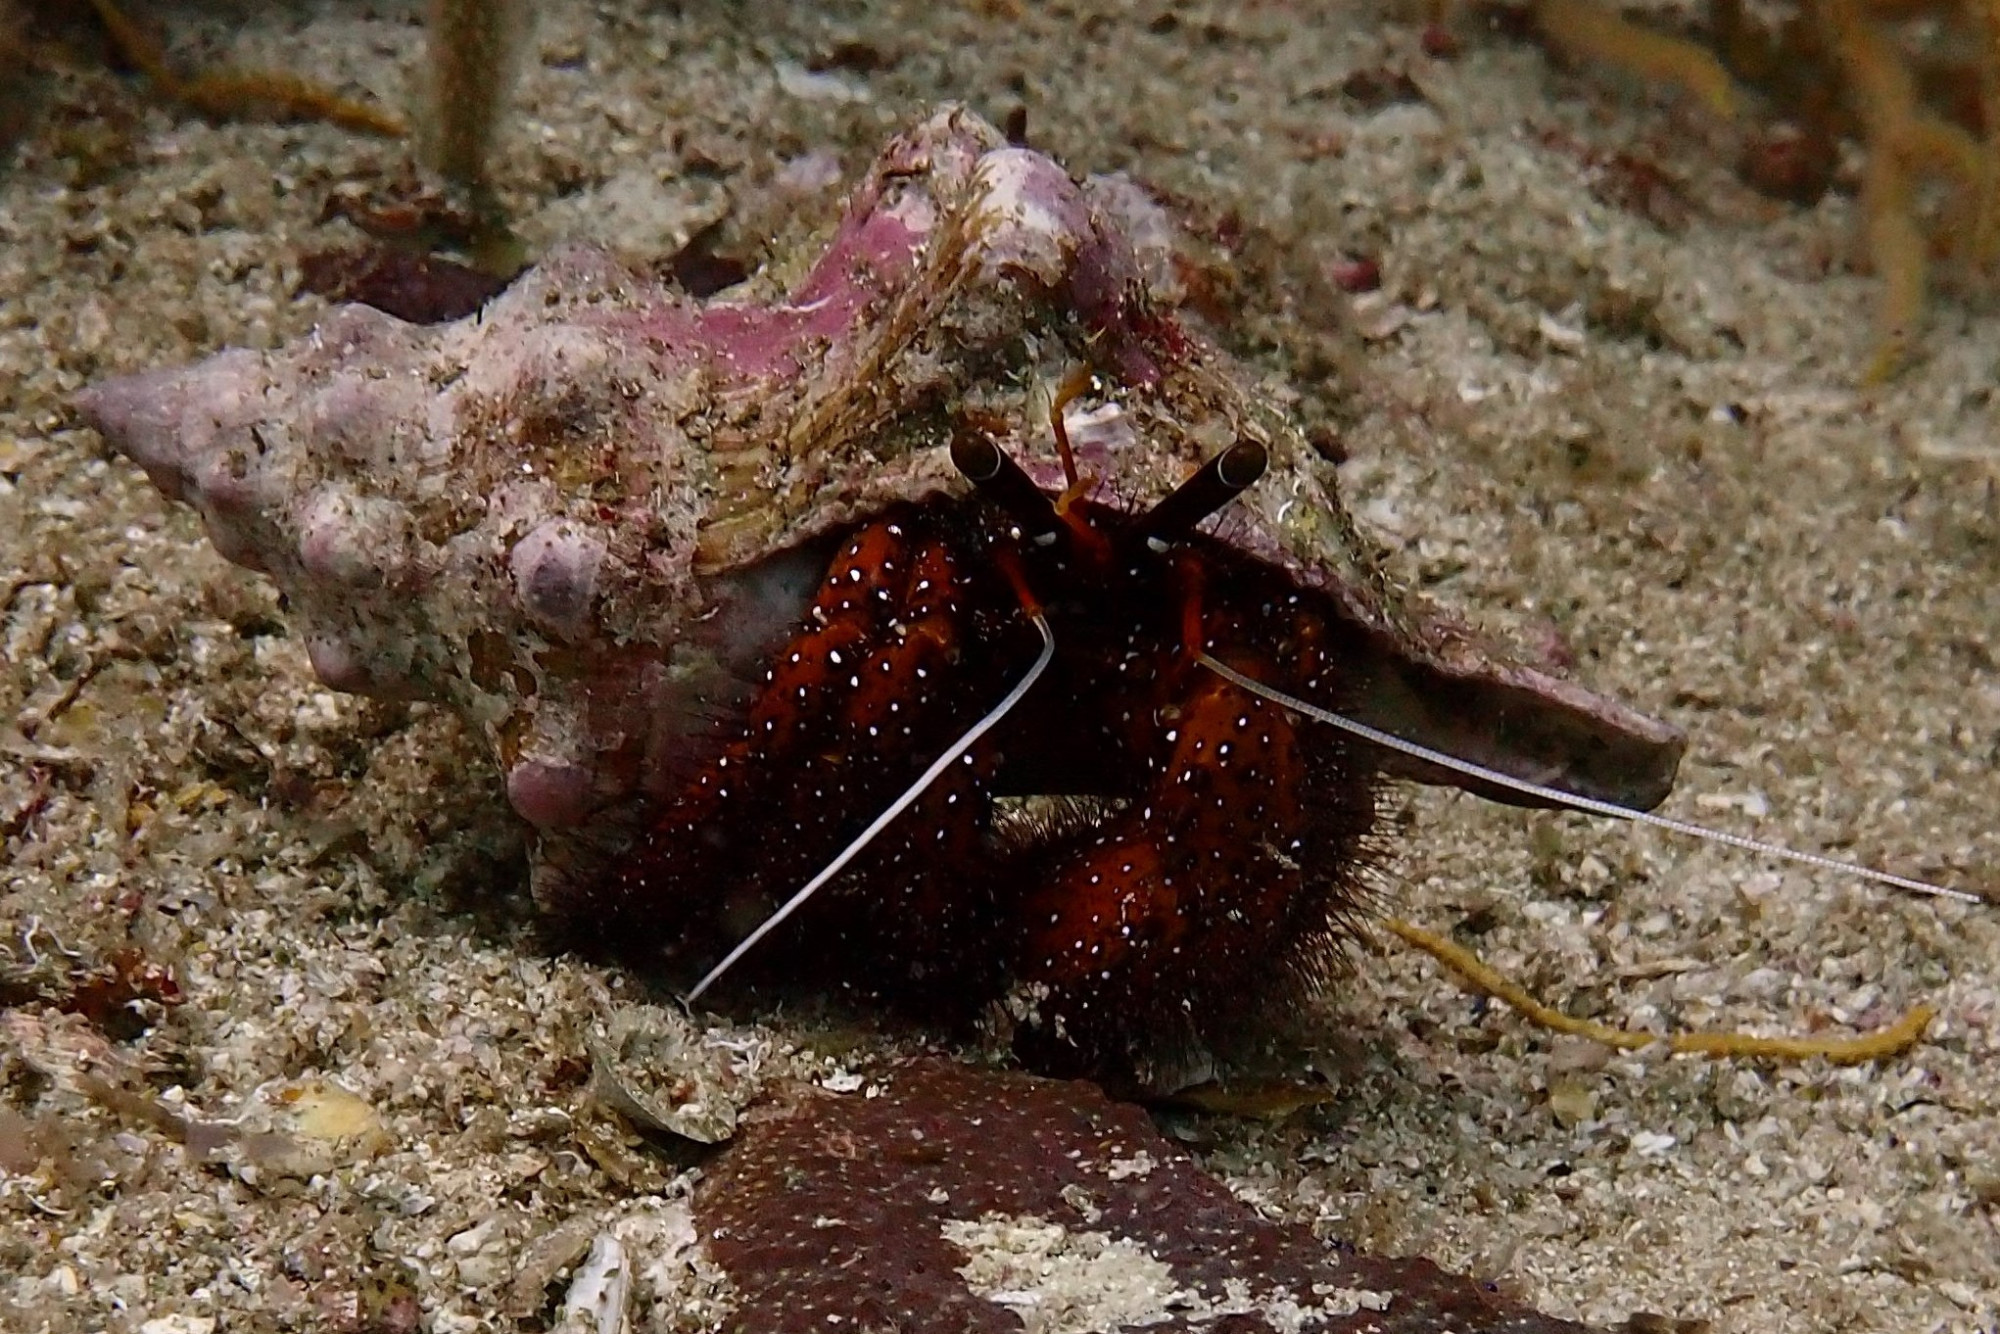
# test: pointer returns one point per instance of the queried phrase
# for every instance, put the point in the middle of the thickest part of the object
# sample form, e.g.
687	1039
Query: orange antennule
1074	386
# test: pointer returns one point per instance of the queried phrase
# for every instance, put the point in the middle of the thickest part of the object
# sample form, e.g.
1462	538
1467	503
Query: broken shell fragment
652	1066
598	1295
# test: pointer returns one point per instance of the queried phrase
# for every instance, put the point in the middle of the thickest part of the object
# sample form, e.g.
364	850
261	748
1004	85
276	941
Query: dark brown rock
853	1212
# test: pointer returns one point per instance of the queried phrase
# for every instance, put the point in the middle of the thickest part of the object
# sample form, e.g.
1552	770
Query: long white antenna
1559	797
896	808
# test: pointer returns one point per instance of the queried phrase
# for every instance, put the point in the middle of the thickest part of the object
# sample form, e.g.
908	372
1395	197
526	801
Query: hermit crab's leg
1229	877
951	842
927	889
873	686
1116	909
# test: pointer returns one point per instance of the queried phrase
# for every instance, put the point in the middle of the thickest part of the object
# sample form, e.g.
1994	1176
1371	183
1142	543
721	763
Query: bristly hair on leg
950	757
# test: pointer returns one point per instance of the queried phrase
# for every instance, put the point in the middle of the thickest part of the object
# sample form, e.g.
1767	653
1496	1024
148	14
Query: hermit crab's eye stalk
994	472
943	762
1558	797
1222	479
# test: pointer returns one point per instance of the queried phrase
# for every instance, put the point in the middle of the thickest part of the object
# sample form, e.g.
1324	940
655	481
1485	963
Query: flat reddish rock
962	1200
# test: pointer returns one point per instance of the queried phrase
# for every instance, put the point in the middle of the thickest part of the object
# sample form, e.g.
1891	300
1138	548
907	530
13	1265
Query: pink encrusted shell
585	516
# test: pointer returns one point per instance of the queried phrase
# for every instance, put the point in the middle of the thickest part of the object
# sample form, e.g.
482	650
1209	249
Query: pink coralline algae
956	1201
587	517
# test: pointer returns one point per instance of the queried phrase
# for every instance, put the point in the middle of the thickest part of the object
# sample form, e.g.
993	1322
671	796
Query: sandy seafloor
1647	446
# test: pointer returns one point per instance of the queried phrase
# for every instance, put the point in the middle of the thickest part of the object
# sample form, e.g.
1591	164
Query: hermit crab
1206	848
898	588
